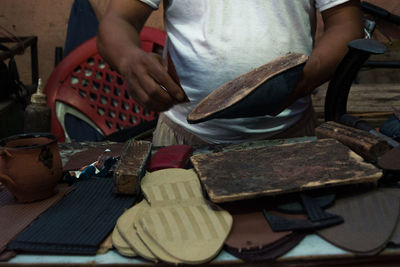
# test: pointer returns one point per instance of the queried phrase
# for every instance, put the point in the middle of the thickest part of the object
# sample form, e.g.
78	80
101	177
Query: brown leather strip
269	252
250	230
15	217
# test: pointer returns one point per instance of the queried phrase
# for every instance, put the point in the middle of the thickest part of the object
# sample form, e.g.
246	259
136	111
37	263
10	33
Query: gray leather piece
370	221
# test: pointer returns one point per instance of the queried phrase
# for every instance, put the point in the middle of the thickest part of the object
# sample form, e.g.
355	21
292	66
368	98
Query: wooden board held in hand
251	173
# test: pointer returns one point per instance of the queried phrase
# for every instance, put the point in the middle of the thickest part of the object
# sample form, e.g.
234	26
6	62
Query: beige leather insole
180	225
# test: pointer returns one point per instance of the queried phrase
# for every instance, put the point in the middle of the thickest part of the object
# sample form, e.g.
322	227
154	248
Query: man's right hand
149	82
145	73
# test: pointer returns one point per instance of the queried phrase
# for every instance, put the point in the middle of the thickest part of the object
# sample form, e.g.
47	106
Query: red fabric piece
175	156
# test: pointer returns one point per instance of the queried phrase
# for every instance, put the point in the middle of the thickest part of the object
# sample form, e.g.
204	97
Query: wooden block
251	173
365	144
131	167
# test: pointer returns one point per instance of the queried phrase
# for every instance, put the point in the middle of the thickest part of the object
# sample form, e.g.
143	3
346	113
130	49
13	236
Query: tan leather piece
370	220
155	248
192	234
106	245
128	232
181	226
172	186
120	244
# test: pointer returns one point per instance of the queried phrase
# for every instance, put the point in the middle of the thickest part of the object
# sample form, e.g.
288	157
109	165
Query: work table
312	250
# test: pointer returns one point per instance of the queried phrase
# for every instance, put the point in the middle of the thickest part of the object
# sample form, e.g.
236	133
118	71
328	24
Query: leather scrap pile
368	222
279	195
173	223
256	201
265	210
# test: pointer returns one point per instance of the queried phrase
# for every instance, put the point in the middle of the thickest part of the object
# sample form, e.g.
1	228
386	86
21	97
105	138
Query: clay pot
30	165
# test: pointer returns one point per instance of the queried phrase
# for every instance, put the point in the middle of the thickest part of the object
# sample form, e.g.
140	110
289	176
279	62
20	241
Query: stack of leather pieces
125	237
78	223
174	223
252	239
371	221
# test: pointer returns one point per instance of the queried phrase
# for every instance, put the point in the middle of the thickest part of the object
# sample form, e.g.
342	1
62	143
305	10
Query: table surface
312	250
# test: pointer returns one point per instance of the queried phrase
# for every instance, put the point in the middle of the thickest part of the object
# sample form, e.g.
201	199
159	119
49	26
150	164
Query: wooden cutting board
245	174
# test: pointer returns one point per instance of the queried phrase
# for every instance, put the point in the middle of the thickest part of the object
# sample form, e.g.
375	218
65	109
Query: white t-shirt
214	41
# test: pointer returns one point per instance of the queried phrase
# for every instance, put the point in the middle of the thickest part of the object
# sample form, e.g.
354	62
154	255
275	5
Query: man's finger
156	91
161	76
144	99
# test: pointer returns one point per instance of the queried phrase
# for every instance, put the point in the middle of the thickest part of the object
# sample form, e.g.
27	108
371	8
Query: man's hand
145	73
148	81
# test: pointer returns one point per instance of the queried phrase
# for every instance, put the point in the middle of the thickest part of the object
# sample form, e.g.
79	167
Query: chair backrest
84	81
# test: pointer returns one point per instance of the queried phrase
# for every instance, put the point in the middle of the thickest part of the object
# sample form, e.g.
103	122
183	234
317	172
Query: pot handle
5	152
5	179
9	183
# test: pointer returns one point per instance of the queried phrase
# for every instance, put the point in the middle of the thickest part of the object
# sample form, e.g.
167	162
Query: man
213	41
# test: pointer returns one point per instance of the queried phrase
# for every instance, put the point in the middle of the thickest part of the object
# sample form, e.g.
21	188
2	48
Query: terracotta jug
30	165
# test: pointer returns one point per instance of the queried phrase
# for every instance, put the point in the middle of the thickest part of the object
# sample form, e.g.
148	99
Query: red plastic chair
84	83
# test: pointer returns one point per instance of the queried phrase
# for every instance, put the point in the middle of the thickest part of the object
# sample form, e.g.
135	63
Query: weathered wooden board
131	167
251	173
